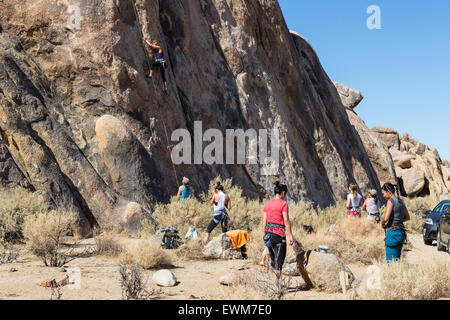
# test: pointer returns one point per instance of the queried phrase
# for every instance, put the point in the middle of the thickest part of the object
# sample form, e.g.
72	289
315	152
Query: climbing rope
168	147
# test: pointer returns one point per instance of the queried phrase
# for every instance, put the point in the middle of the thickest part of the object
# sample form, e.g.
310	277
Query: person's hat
373	192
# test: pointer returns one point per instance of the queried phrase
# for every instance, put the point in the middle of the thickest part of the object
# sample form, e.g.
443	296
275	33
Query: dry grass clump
191	251
106	245
132	283
8	255
44	233
403	281
358	241
417	209
303	213
15	206
148	254
251	285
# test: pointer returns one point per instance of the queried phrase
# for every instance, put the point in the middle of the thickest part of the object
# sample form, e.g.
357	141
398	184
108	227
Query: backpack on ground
170	239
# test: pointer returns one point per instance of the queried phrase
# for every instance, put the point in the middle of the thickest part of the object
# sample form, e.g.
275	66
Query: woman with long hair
396	214
354	201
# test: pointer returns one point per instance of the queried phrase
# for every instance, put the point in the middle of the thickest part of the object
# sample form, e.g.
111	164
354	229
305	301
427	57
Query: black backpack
170	239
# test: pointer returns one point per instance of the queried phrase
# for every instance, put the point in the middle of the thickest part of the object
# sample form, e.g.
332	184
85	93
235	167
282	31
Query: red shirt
274	210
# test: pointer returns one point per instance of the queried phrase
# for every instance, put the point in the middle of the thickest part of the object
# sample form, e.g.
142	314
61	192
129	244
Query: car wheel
448	246
428	242
439	245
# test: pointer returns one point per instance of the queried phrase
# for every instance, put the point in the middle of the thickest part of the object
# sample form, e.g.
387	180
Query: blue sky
403	69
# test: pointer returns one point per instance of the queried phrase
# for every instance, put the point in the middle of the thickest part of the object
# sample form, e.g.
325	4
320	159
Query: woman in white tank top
220	202
219	206
372	206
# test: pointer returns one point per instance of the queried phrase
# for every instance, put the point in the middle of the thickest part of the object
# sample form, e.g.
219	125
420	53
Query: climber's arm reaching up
151	45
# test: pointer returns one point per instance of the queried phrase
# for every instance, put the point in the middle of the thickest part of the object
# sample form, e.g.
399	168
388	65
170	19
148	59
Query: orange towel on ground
239	238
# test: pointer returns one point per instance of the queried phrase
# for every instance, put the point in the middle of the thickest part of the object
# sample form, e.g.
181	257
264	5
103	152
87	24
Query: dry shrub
15	205
359	241
256	247
403	281
182	216
45	232
244	288
8	254
149	254
132	283
417	209
303	213
252	285
106	245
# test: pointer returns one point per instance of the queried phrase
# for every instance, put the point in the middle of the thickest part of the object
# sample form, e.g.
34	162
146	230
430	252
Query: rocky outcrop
350	97
389	136
86	127
400	160
420	170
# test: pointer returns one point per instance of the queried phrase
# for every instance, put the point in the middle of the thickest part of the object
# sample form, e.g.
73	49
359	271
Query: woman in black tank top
396	214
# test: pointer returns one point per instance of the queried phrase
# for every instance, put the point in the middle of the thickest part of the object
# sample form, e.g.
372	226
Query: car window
446	207
439	207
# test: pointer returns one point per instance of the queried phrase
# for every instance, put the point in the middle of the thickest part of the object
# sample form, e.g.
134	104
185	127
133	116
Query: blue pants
394	243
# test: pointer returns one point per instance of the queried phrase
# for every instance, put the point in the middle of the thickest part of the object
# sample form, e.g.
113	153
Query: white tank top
221	203
372	206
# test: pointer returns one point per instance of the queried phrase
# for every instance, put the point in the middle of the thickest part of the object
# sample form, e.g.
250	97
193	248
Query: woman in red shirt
277	228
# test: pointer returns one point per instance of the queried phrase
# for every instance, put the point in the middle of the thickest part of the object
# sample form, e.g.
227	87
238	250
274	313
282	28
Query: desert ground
100	278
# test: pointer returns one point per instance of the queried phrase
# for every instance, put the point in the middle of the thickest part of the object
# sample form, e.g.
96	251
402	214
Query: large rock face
232	64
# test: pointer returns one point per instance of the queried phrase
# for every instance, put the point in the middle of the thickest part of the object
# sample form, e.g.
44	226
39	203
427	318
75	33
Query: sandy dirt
99	276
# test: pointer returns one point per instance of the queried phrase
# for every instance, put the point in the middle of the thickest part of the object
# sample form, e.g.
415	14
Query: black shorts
161	66
220	218
277	251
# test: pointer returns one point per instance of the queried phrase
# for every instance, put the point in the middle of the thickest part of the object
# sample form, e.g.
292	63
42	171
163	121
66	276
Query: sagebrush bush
404	281
148	254
44	233
106	245
355	240
192	251
15	206
417	209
